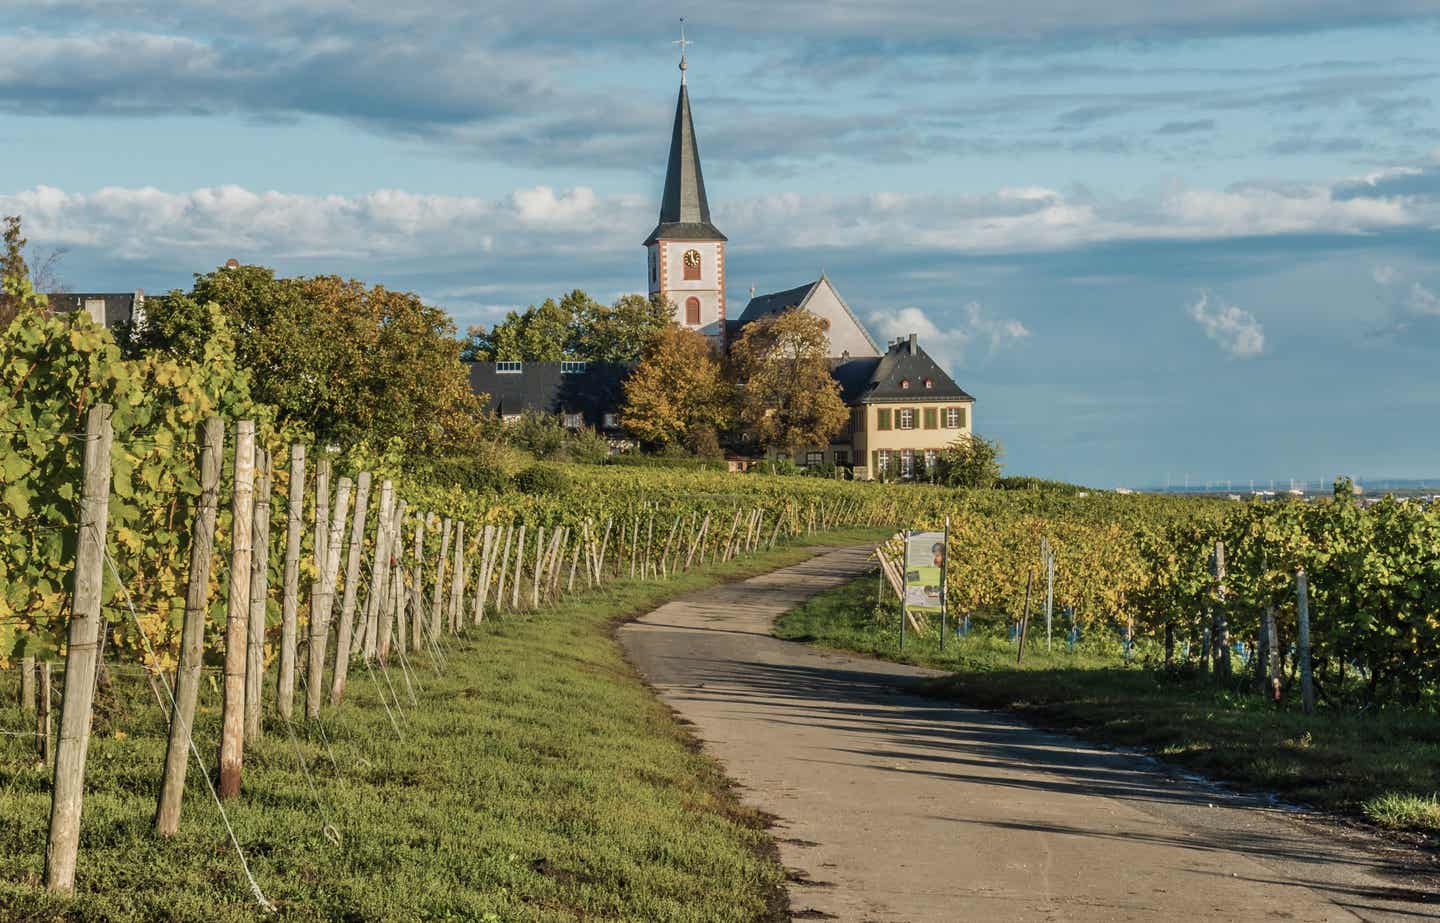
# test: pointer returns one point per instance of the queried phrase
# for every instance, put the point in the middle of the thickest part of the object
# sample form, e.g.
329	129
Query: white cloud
1423	301
948	344
1385	275
1237	331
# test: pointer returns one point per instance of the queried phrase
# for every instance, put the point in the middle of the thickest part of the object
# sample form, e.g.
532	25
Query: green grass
539	780
1384	766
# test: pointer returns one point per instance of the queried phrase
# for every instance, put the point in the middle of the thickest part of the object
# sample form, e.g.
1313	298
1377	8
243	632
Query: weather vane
682	43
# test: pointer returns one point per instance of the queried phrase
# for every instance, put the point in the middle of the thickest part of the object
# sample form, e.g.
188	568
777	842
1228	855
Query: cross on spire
682	42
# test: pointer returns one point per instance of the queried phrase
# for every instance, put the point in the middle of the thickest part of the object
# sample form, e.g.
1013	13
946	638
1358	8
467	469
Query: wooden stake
192	632
344	638
440	562
535	577
1025	619
27	684
290	601
320	522
68	789
519	563
259	597
1302	642
388	546
232	711
457	579
504	567
574	562
1221	647
417	641
487	565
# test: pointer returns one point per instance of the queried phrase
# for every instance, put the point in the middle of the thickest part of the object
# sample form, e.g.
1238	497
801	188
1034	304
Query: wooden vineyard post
1307	677
330	578
320	524
237	612
68	788
387	541
42	712
390	623
290	601
1047	555
574	562
482	585
440	563
416	634
192	632
504	566
1025	619
519	564
259	596
535	577
634	540
345	638
1221	644
457	579
604	547
27	684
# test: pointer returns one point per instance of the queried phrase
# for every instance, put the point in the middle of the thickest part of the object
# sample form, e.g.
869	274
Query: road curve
894	807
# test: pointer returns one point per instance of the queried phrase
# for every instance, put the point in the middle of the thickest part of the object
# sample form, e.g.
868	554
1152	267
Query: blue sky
1153	242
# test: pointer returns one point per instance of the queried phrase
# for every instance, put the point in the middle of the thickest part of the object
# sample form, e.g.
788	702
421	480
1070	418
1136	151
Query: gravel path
895	807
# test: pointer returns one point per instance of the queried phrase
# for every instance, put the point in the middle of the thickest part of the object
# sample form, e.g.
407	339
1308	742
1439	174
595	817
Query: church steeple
687	251
684	210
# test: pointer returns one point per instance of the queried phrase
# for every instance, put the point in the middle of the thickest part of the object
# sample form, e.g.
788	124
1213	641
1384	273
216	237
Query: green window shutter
932	418
882	418
875	463
964	411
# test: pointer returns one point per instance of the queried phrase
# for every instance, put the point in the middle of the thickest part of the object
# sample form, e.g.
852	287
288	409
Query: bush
466	473
587	447
682	462
1028	483
778	466
542	479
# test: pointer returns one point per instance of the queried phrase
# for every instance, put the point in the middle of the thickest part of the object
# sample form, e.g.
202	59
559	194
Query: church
904	408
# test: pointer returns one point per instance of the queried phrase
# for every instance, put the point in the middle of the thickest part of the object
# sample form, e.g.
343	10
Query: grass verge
1383	766
538	779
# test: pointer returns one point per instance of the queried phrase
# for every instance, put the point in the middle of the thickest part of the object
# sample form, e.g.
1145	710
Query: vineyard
158	523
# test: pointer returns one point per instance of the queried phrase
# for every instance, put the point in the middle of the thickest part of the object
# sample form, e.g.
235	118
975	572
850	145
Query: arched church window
692	265
692	311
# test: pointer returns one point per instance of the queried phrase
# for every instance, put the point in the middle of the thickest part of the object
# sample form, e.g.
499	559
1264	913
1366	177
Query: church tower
686	252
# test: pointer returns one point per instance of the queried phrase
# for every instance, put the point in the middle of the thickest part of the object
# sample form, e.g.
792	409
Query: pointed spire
684	210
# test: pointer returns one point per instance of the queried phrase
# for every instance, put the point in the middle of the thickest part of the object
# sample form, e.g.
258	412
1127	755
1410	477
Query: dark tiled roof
119	306
869	381
684	210
776	302
543	388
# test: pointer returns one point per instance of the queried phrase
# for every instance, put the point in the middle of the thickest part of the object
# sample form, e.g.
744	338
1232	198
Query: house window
931	456
954	417
692	265
929	384
842	457
812	459
508	368
573	420
612	421
907	463
692	310
882	418
904	384
573	368
510	418
931	415
882	461
906	418
95	307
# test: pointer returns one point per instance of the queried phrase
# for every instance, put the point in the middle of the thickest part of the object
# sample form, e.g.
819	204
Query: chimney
912	344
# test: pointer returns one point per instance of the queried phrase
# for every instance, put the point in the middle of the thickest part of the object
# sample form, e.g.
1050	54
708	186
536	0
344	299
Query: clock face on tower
691	262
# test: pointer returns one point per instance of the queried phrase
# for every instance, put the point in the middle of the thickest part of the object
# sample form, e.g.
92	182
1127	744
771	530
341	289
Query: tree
623	332
970	461
678	395
787	396
351	363
574	327
17	292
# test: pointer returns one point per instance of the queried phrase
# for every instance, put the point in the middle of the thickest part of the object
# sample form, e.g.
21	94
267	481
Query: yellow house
904	411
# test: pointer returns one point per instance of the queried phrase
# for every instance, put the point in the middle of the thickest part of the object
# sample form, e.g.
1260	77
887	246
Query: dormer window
508	368
929	384
691	262
904	384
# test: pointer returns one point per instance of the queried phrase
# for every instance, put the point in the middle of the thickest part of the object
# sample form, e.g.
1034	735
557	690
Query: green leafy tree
970	461
350	362
17	293
678	394
787	396
624	331
575	326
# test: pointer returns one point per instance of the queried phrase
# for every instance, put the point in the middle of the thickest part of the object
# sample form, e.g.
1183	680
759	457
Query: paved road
894	807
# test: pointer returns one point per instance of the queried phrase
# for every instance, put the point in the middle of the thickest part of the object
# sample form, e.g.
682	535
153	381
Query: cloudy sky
1154	240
